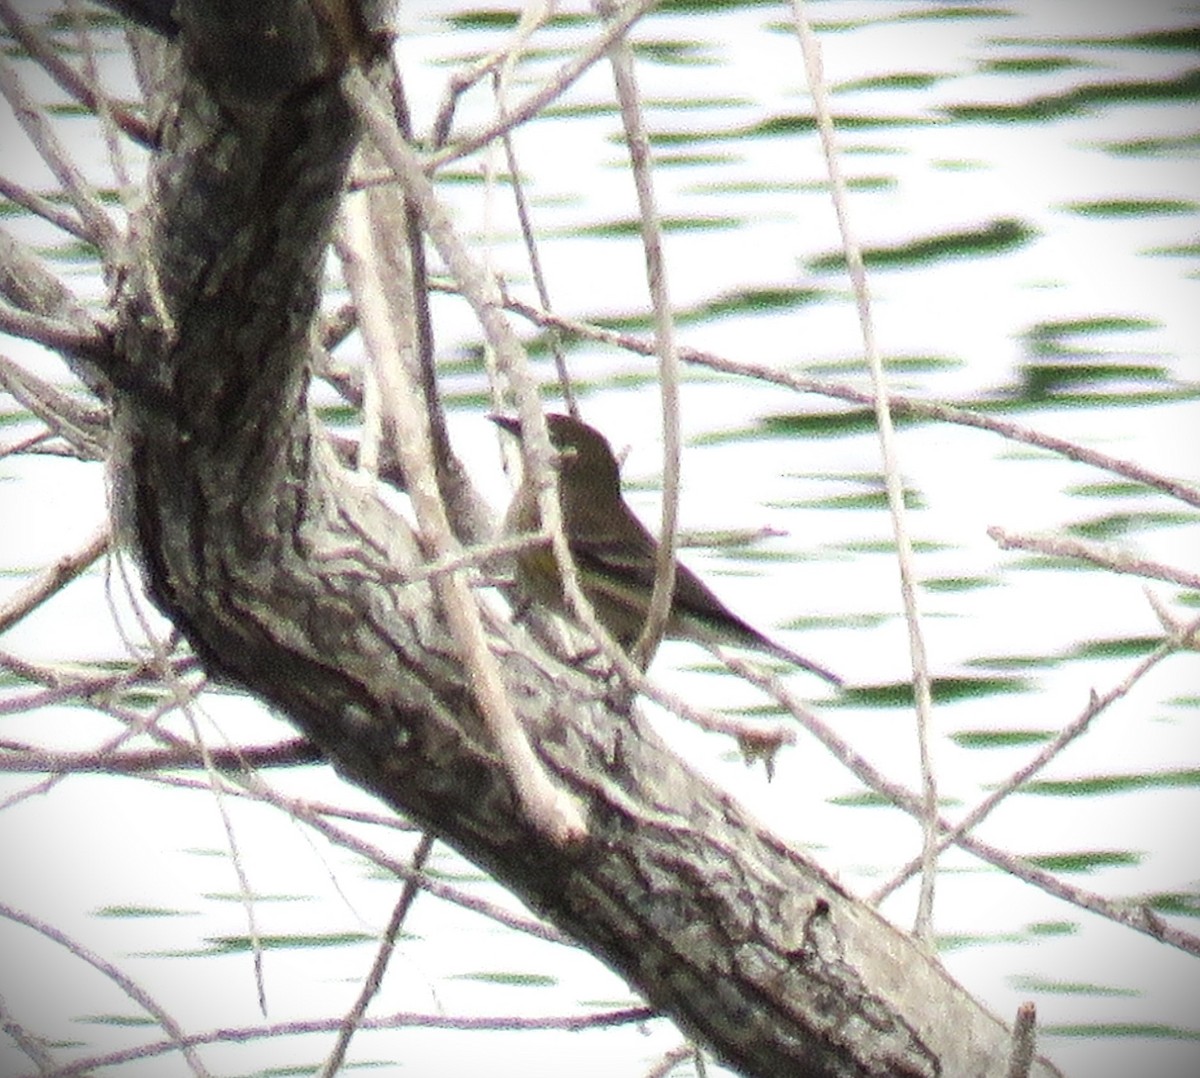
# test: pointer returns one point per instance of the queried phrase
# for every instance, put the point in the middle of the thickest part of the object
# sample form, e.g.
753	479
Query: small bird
615	554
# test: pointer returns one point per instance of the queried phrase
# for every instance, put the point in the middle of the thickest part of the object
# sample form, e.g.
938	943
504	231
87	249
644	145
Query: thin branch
49	58
535	102
32	117
374	980
549	806
338	324
401	1020
182	699
1024	1039
922	689
27	283
54	334
670	1060
529	239
1184	636
82	424
41	442
264	794
42	207
63	684
899	404
481	554
52	580
134	726
531	17
1095	706
179	1041
1117	561
288	753
638	143
1139	917
105	109
315	814
34	1047
470	517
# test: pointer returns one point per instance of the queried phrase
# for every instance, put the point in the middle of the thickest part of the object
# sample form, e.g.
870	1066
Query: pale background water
1078	123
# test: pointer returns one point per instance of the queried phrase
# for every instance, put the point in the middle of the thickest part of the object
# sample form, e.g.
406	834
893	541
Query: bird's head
583	452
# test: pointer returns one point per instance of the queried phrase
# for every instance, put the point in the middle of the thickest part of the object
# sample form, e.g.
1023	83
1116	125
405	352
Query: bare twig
1109	557
54	334
50	59
34	1047
318	816
182	699
108	762
535	102
179	1041
100	229
135	725
27	283
550	808
63	684
256	790
1024	1038
638	143
531	17
899	404
1182	635
52	579
402	1020
529	239
470	516
105	109
374	980
481	554
1095	706
1136	916
41	207
670	1060
922	690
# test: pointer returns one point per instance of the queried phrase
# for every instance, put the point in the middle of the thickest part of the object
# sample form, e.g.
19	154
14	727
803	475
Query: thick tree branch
282	569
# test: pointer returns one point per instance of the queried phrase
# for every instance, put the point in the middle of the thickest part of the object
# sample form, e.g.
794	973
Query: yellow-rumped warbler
614	553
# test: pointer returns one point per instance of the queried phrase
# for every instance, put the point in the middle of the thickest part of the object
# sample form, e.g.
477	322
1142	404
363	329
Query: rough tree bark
281	569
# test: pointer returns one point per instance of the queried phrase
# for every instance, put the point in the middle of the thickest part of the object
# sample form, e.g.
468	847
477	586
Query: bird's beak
506	422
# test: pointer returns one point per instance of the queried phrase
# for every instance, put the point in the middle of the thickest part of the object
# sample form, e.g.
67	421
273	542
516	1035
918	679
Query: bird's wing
621	569
627	571
611	564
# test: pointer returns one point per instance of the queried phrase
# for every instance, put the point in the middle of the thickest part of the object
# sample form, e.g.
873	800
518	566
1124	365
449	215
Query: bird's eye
567	455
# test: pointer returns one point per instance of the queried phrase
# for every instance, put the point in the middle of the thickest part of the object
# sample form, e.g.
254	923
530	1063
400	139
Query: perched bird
615	554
